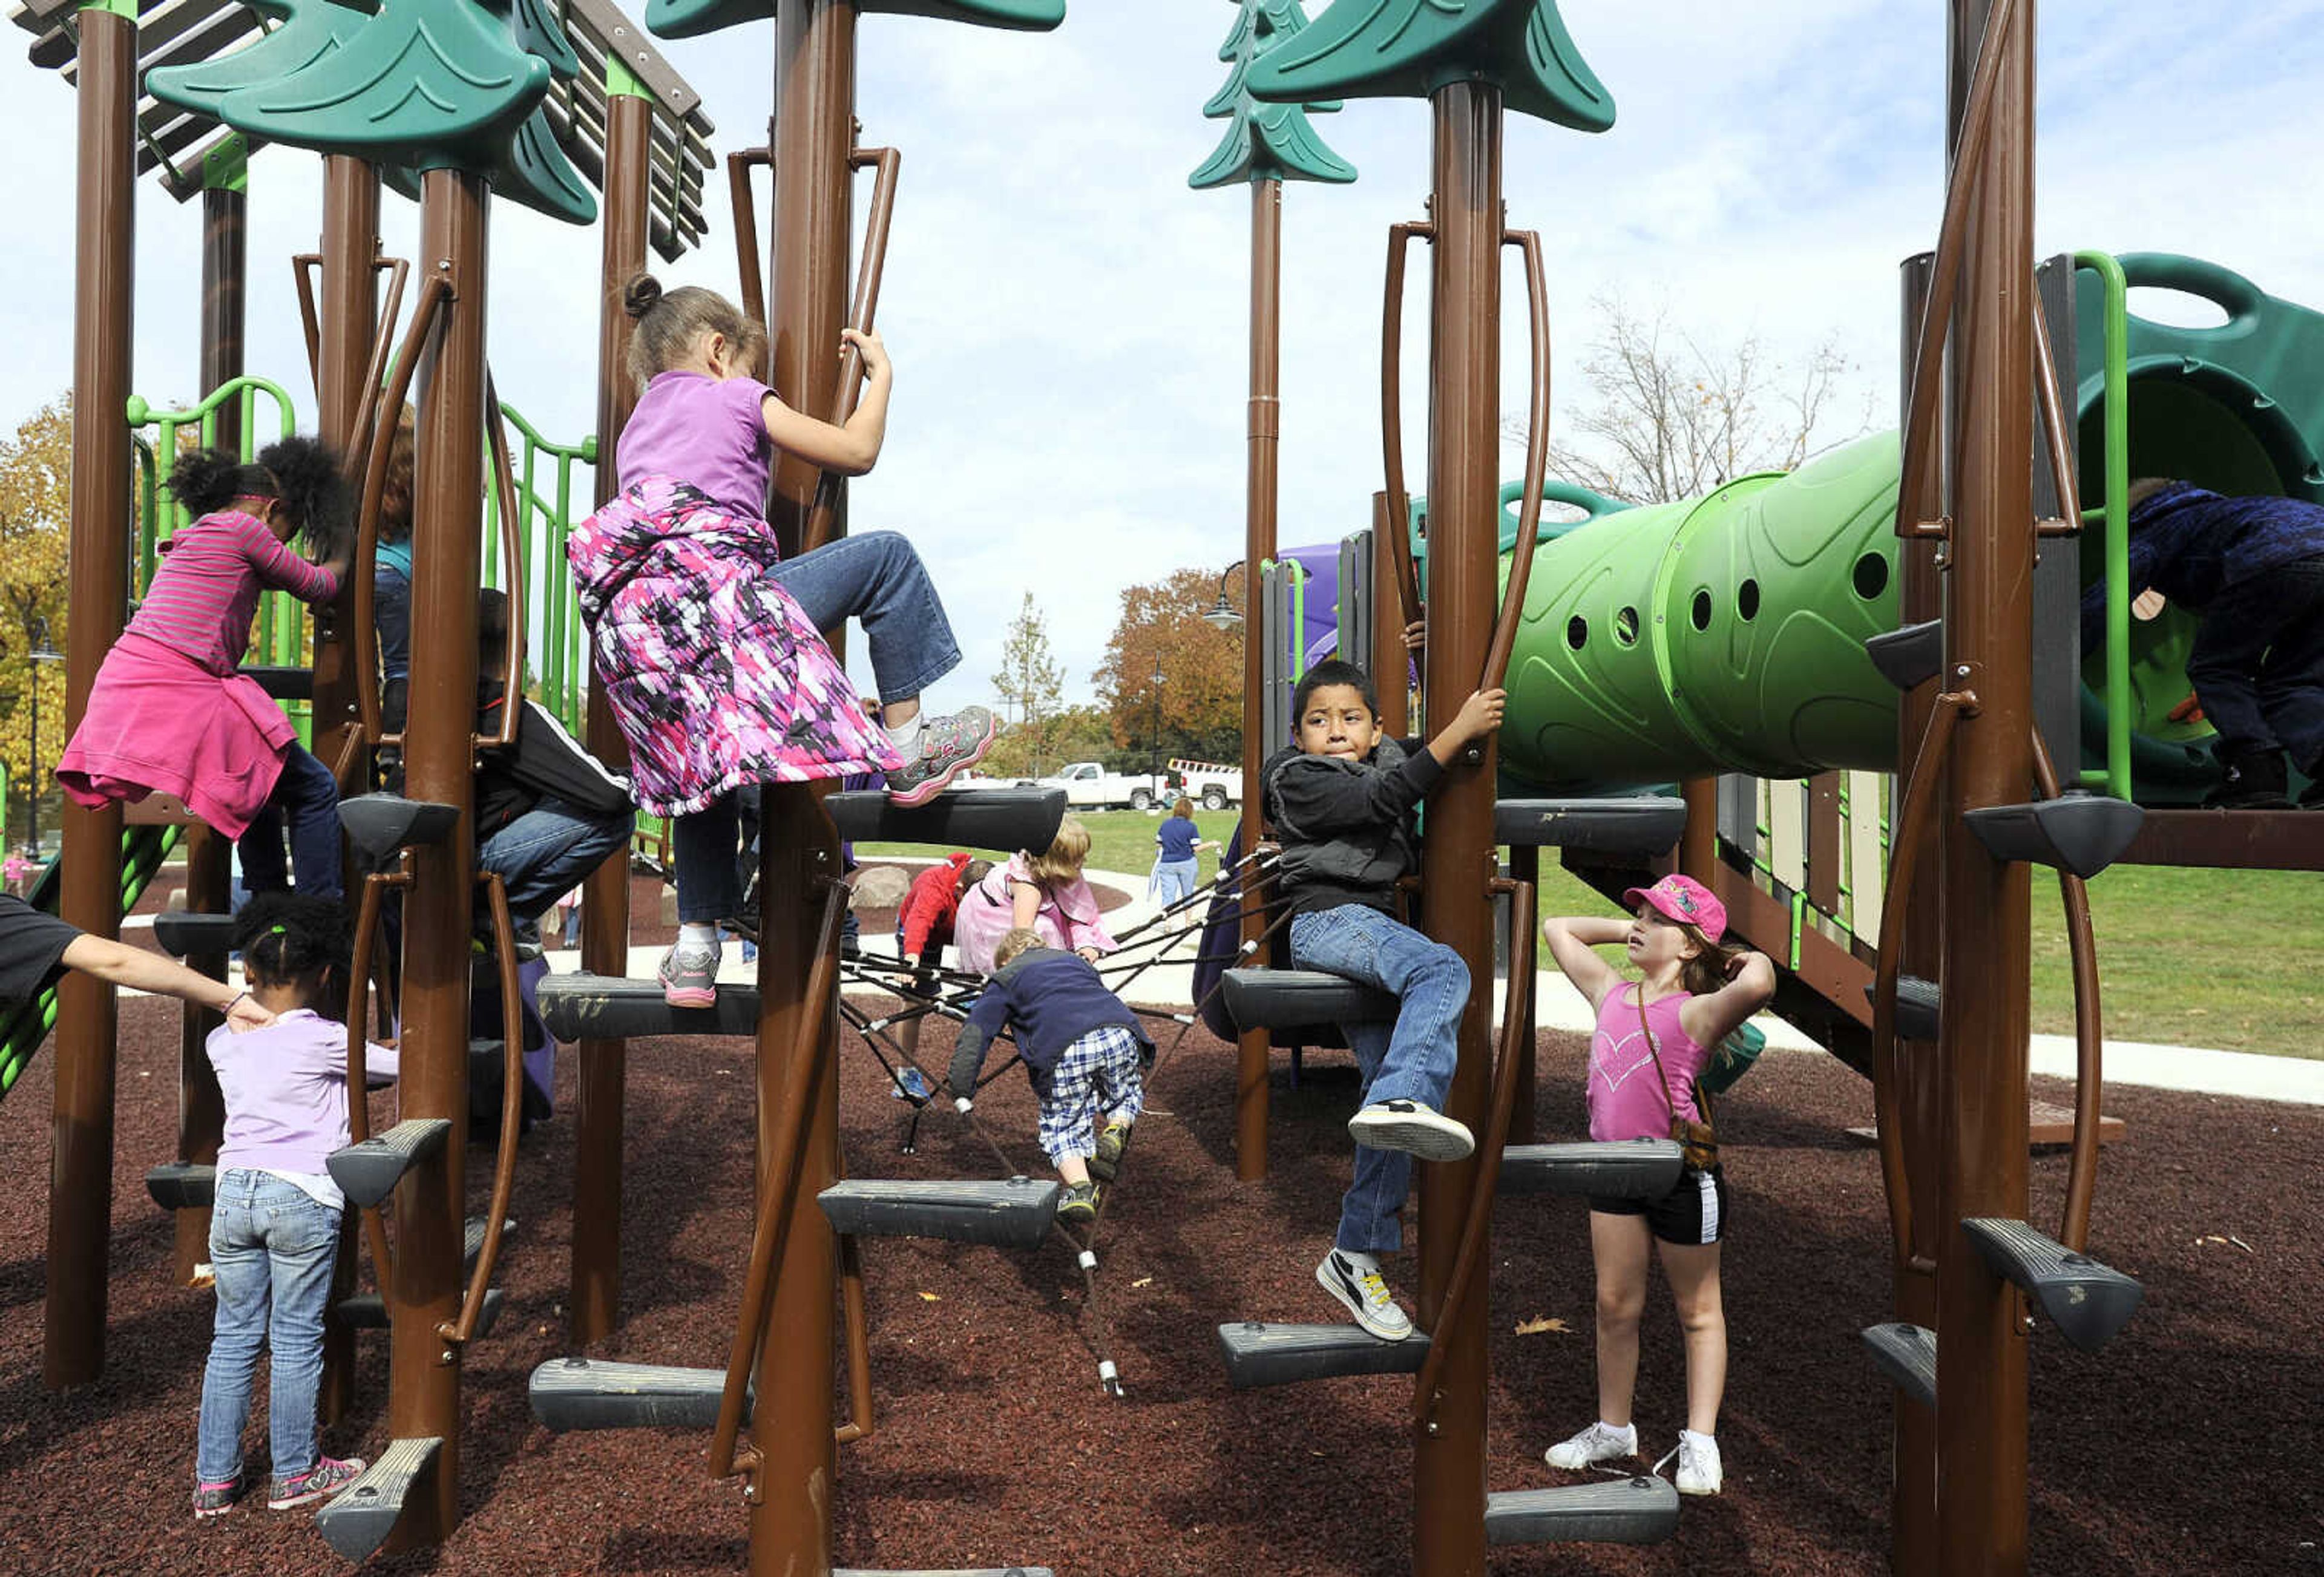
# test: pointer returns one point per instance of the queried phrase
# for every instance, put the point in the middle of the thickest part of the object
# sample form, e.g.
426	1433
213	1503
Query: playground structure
1952	1107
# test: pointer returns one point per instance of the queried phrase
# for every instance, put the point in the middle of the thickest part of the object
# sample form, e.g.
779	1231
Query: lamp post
42	652
1222	615
1158	677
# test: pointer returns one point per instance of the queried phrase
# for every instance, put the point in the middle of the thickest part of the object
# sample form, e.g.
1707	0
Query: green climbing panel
1265	141
692	18
1409	49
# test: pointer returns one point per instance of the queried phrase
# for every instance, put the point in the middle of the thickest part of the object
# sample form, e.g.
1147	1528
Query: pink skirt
158	721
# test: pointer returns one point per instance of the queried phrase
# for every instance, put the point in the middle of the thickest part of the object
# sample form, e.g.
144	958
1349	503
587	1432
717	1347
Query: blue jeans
1174	879
545	852
1411	1061
270	1242
308	797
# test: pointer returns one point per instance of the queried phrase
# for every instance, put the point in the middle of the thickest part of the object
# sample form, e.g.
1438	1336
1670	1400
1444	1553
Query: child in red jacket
924	926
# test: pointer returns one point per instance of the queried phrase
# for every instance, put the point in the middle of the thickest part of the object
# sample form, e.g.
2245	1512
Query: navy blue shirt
2190	545
1177	838
1054	998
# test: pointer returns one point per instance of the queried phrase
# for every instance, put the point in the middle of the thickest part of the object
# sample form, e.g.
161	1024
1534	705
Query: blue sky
1068	319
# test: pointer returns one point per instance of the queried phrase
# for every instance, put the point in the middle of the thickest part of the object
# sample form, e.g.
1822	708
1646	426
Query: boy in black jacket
1084	1050
1341	800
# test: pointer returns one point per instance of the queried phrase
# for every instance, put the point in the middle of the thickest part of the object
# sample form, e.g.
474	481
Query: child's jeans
1411	1061
271	1243
1097	1073
308	796
2258	663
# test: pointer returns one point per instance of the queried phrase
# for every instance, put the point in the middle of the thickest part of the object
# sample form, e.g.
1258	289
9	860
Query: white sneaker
1356	1281
1699	1470
1412	1128
1600	1442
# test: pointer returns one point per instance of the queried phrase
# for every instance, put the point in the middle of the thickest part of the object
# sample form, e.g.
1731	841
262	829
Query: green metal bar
2118	589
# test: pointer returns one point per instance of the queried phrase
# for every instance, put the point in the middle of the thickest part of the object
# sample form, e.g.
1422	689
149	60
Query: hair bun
641	295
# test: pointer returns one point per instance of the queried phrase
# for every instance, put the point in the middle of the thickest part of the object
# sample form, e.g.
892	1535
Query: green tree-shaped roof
309	30
692	18
1265	141
1407	49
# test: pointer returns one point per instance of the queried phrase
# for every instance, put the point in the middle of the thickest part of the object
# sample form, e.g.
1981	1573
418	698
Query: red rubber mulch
2189	1445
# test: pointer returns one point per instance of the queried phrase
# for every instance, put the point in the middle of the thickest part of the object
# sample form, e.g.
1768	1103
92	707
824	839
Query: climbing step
2087	1302
179	932
1644	825
368	1171
1013	1213
584	1393
1260	1354
1642	1169
358	1519
1293	999
961	818
1911	657
1908	1354
1643	1510
367	1311
1916	1008
2082	834
379	825
282	684
604	1007
977	1571
182	1185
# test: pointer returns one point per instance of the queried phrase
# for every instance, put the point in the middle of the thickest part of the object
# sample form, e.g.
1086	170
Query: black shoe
2250	779
1107	1161
2312	796
1078	1203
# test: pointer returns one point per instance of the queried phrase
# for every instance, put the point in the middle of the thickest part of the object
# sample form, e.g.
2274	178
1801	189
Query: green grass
2186	957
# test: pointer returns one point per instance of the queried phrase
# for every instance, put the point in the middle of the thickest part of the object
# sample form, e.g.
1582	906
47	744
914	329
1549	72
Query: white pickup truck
1088	785
1213	785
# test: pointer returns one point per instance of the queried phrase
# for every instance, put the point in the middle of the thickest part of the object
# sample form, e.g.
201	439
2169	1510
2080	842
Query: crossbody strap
1661	1074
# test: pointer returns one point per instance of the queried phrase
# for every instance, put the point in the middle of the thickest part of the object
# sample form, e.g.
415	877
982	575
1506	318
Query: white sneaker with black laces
1356	1281
1600	1442
1412	1128
1698	1472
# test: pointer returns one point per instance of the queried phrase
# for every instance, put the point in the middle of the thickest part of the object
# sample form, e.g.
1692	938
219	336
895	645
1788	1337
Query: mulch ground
2189	1445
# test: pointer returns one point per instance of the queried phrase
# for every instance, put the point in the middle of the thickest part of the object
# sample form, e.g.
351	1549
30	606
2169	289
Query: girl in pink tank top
1652	1039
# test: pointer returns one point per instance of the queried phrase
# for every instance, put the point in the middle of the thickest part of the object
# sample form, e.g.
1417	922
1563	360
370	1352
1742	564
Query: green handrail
554	599
2115	511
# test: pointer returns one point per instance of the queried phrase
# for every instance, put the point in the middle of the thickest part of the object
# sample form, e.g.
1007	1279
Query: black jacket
544	763
1054	998
1346	826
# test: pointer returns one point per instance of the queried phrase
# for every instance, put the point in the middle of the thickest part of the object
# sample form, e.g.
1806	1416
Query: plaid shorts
1098	1074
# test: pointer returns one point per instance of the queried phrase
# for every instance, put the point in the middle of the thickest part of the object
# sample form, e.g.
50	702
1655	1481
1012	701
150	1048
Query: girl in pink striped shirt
170	713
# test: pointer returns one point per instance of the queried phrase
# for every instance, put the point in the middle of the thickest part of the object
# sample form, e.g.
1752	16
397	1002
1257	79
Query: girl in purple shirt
1652	1039
274	1225
709	643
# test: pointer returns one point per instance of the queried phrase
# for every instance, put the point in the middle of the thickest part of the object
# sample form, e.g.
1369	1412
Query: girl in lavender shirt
1652	1039
274	1227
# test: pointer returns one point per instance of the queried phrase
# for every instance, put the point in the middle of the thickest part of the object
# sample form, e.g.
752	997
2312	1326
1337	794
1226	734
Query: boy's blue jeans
544	854
271	1242
1411	1061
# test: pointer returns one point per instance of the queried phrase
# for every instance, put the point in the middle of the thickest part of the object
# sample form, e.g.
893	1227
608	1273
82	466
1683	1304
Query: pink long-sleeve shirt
206	591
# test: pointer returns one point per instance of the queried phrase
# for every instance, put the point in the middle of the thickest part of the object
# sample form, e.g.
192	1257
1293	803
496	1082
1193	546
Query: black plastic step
368	1172
2086	1300
1907	1355
179	932
584	1393
1642	825
282	684
604	1007
1013	1213
1641	1168
2082	834
379	825
358	1519
182	1185
1643	1510
958	819
1260	1354
1916	1008
975	1572
1294	999
1911	657
367	1311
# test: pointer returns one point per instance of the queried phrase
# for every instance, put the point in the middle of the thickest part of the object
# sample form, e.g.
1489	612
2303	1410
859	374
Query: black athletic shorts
1693	1212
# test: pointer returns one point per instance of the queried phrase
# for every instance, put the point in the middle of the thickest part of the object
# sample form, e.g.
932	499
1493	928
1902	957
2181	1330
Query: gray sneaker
327	1477
947	745
689	976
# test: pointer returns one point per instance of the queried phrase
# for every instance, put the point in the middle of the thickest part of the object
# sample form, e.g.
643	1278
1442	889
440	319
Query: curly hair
284	938
396	496
302	473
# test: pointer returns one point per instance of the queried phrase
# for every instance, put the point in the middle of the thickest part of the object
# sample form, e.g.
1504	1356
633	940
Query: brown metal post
1981	1452
1263	428
201	1109
806	303
1460	859
347	328
80	1168
1391	665
595	1297
448	530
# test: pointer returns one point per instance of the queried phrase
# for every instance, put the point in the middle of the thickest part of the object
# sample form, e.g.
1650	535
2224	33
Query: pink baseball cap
1684	899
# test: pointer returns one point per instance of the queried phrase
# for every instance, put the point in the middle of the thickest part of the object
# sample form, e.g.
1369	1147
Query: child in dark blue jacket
1084	1050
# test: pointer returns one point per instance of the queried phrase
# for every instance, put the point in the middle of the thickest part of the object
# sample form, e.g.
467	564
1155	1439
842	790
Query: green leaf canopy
1409	49
1265	141
692	18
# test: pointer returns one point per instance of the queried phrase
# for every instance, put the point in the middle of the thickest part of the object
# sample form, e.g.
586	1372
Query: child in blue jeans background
1341	800
274	1227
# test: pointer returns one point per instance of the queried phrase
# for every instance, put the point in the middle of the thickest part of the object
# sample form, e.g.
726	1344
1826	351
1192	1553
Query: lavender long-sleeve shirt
286	1091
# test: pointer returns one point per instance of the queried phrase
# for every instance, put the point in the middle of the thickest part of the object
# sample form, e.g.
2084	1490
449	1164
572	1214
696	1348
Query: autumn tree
35	509
1068	733
1676	415
1199	703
